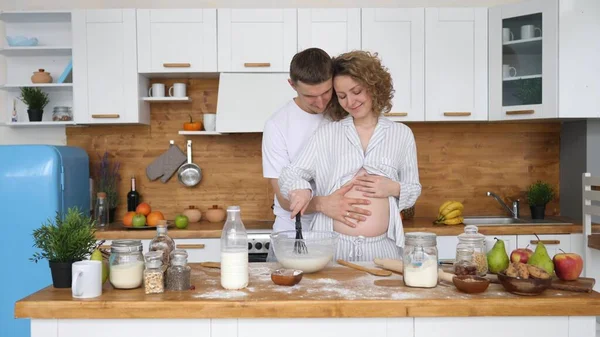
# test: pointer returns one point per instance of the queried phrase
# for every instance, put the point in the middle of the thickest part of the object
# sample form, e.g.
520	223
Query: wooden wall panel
459	161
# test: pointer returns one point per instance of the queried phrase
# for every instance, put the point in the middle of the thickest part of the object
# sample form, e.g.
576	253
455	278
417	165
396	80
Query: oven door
257	257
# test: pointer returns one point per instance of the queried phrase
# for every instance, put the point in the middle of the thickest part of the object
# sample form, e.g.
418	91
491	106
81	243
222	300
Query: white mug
210	121
506	69
507	35
528	31
87	279
177	90
157	90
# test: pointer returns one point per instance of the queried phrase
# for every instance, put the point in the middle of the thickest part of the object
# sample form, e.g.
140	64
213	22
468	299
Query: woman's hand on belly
374	225
374	186
341	208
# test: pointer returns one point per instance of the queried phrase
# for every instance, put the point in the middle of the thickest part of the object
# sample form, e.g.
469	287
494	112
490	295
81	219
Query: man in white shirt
288	130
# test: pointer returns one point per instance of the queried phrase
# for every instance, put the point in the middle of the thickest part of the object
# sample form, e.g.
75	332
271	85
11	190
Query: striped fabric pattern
359	248
334	154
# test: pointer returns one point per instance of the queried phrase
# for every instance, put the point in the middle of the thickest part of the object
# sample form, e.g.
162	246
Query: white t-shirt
284	135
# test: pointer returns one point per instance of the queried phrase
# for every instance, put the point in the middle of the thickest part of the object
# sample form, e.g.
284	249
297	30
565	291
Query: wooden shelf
42	123
200	133
37	51
166	99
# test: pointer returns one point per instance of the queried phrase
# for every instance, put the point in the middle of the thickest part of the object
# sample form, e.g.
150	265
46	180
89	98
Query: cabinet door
523	53
553	243
105	67
177	40
510	242
456	64
335	30
256	40
201	250
402	52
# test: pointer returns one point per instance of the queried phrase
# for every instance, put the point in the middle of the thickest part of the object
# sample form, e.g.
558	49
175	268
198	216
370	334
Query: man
287	131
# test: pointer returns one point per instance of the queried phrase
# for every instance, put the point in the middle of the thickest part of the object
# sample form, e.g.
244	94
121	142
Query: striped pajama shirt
334	155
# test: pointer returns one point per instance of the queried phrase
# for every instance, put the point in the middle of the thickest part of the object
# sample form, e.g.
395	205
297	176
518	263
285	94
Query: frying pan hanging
189	174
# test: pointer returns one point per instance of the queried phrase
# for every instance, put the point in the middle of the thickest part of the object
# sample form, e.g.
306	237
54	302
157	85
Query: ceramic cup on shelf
86	279
528	31
157	90
508	71
210	121
507	35
177	90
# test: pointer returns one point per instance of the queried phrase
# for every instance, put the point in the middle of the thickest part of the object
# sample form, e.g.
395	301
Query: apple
567	266
139	220
521	255
181	221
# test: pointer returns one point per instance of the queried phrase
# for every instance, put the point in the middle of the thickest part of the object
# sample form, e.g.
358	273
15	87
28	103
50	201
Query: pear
97	255
540	258
497	258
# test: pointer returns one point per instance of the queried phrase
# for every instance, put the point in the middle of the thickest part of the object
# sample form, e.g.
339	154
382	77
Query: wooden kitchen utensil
216	265
398	266
376	272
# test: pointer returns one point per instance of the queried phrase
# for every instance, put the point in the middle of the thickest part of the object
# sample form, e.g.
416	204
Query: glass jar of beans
472	240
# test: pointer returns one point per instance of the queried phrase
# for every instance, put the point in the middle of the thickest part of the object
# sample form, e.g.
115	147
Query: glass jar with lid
420	260
464	264
126	264
474	241
154	282
162	242
179	273
62	113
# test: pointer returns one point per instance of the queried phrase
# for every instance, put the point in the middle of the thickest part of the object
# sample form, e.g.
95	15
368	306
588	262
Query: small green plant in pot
538	195
36	100
66	240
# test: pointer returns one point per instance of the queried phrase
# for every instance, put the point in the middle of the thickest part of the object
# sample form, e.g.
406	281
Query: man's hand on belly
341	208
374	186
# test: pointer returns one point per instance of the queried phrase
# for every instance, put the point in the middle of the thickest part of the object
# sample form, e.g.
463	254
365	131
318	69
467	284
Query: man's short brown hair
311	66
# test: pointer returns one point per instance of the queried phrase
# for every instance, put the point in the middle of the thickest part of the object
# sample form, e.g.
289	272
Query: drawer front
200	250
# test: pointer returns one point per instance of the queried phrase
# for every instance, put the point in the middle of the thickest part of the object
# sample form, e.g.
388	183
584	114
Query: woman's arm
408	173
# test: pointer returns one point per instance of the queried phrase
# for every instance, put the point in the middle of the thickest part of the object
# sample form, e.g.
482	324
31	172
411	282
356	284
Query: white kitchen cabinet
456	64
510	242
105	62
446	245
552	242
398	36
201	250
177	40
523	52
256	40
335	30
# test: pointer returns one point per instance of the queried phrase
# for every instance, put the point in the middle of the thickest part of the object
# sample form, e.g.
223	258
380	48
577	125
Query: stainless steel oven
258	244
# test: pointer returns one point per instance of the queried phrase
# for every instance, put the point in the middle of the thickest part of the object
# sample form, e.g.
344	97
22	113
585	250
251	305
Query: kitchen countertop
205	229
336	291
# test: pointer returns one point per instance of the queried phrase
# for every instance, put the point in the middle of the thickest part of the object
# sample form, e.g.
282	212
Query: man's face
313	98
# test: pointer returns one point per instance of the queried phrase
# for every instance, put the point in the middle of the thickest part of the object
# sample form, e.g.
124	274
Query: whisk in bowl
299	244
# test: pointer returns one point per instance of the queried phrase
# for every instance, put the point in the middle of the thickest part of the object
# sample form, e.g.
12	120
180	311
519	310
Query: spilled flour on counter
221	294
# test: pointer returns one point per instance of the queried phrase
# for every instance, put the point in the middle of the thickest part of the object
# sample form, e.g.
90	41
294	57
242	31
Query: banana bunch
450	213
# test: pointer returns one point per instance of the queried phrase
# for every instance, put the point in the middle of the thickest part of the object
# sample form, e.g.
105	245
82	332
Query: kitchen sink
503	220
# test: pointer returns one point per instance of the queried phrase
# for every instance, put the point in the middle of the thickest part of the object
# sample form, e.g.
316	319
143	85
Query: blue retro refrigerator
36	181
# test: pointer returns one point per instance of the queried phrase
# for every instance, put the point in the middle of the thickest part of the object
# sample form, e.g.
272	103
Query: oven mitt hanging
162	166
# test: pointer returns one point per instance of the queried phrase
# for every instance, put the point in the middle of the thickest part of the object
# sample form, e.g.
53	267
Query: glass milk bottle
234	251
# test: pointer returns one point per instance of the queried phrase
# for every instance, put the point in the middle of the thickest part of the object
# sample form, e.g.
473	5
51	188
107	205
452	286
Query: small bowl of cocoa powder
471	284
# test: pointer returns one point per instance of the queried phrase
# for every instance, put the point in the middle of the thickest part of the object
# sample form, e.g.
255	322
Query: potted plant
538	195
36	100
107	181
69	239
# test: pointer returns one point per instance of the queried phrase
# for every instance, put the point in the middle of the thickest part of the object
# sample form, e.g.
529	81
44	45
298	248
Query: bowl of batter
320	246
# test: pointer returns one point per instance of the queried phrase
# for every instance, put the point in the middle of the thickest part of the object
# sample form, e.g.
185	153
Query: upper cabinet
523	68
402	52
456	64
177	40
105	56
335	30
256	40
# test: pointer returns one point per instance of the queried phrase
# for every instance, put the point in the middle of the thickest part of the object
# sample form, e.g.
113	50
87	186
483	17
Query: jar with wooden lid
193	214
215	214
474	241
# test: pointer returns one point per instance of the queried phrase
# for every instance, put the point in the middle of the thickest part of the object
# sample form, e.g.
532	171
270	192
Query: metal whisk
299	245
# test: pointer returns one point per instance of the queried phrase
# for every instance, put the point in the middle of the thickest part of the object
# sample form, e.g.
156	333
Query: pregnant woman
363	148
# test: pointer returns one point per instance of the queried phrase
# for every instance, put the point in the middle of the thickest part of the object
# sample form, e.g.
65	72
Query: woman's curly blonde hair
366	69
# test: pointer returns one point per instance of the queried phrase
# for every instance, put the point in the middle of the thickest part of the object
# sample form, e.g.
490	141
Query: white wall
56	135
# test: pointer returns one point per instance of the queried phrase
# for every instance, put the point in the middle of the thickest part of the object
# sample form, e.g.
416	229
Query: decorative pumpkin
192	126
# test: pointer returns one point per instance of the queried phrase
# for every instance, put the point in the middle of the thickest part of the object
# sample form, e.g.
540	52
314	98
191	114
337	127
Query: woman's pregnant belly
375	224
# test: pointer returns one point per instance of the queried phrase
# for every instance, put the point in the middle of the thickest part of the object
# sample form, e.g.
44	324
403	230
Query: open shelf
525	47
37	51
166	99
56	86
200	133
516	78
35	16
42	123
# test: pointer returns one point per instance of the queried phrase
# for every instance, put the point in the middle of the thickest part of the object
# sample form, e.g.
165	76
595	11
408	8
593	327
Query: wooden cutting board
582	284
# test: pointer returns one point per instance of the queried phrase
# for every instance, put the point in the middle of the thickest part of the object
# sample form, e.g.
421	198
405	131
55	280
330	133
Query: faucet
515	205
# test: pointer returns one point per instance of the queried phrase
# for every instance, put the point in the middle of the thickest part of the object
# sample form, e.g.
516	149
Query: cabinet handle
520	112
456	114
257	65
191	246
176	65
546	242
395	114
106	116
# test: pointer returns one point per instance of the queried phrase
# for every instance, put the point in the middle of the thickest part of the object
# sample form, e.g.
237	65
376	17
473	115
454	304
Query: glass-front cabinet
523	54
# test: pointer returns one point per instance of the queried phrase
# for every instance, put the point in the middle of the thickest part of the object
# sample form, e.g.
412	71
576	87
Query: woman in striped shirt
363	148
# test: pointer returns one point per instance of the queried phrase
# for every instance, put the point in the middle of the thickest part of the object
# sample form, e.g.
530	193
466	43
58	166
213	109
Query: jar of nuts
464	264
154	281
474	241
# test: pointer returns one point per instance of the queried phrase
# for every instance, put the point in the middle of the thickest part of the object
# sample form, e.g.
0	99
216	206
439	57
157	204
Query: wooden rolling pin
398	266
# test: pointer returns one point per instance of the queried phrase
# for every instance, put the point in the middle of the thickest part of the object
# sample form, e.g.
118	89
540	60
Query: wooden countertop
205	229
335	291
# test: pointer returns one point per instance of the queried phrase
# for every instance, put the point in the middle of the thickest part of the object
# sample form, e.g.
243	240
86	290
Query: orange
153	218
143	208
128	218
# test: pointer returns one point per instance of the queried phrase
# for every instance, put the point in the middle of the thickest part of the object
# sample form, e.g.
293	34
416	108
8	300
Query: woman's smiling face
353	97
